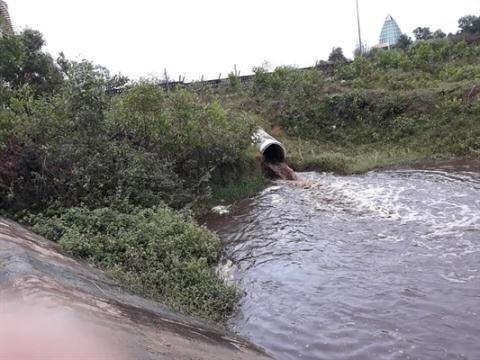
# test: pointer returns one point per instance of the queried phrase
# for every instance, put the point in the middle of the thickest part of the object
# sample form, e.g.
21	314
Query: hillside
383	108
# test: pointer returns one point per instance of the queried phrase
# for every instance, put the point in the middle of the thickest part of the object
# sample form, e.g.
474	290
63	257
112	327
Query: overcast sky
207	37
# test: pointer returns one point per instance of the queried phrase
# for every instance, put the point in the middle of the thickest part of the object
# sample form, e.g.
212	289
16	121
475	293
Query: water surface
379	266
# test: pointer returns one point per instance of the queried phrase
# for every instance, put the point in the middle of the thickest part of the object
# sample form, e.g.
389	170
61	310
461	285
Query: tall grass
312	156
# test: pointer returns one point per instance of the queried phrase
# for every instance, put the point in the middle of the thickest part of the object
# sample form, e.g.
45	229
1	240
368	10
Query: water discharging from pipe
279	170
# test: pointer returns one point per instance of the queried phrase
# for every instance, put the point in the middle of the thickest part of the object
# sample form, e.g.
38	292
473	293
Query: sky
207	38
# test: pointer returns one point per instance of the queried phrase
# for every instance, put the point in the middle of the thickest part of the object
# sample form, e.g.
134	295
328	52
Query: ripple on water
384	265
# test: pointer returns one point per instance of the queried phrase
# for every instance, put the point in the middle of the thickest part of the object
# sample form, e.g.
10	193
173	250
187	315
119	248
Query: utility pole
359	30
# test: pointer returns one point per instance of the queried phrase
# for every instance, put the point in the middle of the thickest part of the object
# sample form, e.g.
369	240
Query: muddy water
379	266
280	170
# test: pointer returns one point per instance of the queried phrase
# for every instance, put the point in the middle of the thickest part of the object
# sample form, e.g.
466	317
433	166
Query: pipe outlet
272	150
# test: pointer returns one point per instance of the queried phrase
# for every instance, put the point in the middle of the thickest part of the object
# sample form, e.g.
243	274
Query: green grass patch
305	155
311	156
380	158
241	189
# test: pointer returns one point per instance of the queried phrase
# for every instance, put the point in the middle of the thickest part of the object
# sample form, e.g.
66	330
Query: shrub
197	139
145	145
153	251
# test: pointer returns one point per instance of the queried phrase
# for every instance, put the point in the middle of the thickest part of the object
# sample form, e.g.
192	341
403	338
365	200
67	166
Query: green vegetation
469	24
238	190
336	56
153	251
109	176
305	155
424	33
117	179
384	108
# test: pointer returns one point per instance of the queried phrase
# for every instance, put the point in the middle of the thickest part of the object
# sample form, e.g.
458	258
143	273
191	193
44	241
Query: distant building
390	33
5	21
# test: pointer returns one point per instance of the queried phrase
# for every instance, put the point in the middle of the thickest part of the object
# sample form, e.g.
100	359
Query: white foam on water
403	200
226	271
270	190
455	278
439	207
221	209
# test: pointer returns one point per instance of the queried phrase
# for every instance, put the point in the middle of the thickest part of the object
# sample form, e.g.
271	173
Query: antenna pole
359	30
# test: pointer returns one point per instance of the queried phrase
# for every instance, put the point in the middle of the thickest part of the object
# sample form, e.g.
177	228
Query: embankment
36	275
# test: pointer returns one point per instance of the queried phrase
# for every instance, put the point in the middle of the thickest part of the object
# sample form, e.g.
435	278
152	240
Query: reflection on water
379	266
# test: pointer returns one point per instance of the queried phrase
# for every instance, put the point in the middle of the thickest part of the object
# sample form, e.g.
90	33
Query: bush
153	251
74	155
145	145
197	139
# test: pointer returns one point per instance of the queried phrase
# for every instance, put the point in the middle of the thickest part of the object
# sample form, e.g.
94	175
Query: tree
422	33
336	56
403	42
469	24
22	62
439	34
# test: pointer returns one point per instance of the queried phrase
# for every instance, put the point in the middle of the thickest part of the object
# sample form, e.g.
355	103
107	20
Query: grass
375	159
239	190
312	156
304	155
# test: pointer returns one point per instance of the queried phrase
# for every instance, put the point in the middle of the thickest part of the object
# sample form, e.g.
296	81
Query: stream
384	265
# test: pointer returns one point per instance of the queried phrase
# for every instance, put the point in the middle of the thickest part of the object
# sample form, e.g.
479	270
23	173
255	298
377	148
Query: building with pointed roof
390	33
5	21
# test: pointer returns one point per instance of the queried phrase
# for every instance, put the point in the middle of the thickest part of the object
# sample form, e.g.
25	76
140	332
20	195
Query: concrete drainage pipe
272	150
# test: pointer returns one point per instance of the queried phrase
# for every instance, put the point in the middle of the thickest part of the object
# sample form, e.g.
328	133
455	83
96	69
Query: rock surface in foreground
50	300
